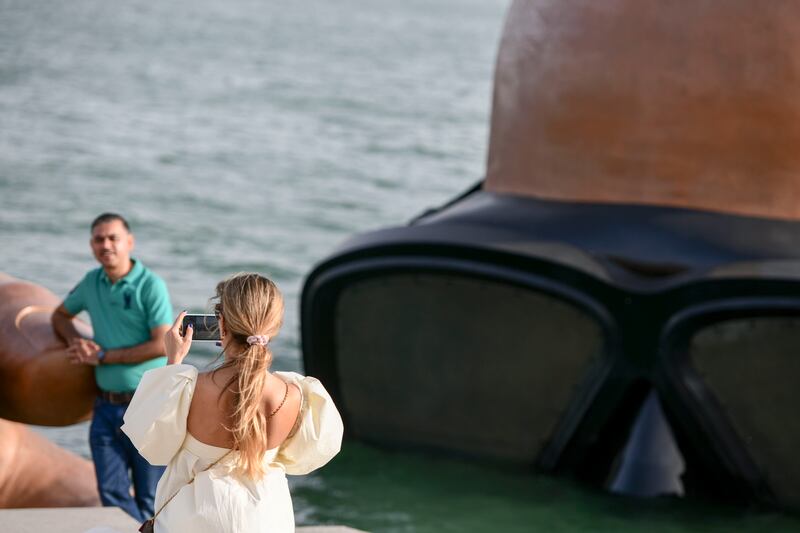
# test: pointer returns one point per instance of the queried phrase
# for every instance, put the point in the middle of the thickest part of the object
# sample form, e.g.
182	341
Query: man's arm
63	326
141	352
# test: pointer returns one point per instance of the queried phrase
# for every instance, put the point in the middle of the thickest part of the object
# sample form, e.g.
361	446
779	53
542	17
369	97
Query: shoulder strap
299	419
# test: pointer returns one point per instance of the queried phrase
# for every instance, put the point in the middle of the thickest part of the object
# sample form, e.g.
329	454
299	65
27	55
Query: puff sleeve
318	437
155	420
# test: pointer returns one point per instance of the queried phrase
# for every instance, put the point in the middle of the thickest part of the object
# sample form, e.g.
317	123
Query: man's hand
177	345
83	352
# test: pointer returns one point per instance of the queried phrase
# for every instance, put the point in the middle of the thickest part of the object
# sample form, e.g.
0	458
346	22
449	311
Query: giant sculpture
39	386
624	283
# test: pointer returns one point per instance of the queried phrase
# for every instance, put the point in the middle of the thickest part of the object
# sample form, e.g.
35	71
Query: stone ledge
95	520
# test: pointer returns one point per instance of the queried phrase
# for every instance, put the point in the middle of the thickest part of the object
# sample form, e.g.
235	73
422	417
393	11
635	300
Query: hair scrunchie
258	339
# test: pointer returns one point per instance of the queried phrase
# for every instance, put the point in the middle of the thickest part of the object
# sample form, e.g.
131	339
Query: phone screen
205	327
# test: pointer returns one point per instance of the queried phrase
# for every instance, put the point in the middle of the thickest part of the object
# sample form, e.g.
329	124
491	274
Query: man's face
111	244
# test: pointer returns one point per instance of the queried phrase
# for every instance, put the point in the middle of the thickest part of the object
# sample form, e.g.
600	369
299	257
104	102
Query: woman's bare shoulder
213	380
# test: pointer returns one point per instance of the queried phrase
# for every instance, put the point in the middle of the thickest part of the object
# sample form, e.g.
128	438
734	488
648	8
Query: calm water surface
252	135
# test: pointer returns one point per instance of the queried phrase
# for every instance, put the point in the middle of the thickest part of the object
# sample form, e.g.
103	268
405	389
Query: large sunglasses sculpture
619	299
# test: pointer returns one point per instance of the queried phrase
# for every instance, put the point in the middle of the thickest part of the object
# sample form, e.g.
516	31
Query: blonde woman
230	436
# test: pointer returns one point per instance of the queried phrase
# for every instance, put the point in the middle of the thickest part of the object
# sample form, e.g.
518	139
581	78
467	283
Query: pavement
96	520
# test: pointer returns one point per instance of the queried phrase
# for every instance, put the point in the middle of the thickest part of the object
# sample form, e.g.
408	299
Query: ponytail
249	420
251	305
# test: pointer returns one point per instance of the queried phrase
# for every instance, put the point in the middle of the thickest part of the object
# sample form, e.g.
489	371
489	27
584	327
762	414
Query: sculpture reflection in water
619	299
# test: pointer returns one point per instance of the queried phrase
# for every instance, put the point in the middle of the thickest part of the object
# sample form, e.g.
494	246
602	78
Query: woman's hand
175	344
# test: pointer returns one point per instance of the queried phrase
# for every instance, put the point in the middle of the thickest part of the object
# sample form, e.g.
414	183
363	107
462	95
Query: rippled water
247	135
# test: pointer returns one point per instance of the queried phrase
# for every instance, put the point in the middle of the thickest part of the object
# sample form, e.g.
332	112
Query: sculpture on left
38	385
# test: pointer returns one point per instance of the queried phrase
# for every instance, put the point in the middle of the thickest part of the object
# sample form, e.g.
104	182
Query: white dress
220	500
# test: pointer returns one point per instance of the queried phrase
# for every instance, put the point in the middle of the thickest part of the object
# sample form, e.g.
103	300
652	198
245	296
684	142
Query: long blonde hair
249	304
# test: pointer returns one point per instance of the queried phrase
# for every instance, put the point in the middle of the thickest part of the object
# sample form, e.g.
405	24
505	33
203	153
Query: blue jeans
117	463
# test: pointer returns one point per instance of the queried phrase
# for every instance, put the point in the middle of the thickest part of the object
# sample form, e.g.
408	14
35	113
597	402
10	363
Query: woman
230	436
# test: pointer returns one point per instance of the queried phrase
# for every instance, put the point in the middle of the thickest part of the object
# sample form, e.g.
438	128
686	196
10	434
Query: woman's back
212	407
202	489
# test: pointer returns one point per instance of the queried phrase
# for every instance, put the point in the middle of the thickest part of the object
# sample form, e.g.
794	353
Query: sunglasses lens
478	366
752	366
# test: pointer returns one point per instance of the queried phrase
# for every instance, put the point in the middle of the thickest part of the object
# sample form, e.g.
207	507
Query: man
130	312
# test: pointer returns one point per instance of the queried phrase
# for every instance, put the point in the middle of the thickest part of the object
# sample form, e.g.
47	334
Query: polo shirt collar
131	276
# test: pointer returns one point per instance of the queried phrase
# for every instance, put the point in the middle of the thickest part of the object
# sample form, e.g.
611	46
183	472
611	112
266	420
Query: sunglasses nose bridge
638	332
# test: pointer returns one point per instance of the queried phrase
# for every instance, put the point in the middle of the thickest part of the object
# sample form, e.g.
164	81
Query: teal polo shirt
122	316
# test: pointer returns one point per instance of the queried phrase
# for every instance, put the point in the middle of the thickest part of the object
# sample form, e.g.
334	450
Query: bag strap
209	467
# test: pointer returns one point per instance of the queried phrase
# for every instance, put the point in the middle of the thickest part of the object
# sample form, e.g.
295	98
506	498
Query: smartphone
205	327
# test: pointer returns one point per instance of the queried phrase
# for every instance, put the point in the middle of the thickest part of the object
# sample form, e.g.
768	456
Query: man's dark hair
109	217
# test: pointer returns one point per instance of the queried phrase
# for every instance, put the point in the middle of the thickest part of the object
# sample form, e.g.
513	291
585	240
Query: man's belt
117	398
